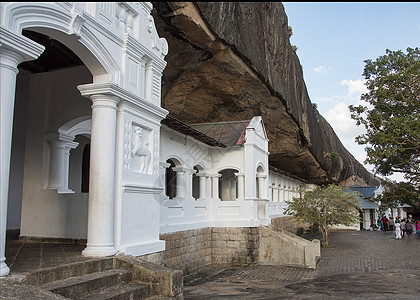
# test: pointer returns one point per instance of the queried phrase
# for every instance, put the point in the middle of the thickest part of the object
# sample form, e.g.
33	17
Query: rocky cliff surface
230	61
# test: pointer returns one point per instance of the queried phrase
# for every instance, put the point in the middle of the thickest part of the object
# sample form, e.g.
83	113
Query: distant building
369	210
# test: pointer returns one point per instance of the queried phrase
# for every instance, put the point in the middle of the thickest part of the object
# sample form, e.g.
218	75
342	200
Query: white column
180	182
261	186
58	175
215	179
148	81
14	49
241	185
202	185
100	234
275	194
209	188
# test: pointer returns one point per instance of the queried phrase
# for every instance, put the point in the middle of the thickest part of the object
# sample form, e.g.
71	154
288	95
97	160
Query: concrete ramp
279	247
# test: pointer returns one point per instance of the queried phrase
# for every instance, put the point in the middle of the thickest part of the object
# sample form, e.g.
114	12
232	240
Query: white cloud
322	69
355	87
327	99
342	123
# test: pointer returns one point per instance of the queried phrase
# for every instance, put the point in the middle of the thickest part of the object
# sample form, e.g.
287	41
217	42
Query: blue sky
333	39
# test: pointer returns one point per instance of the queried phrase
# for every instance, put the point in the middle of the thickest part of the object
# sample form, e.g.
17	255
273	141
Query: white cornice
132	100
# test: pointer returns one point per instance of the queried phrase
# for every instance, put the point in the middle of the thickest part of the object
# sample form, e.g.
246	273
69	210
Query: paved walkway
359	265
23	257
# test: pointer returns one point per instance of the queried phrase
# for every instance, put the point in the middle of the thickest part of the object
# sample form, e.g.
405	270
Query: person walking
398	230
408	228
417	228
379	223
402	227
385	221
391	224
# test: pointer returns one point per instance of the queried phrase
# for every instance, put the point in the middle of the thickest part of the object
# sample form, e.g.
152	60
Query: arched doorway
47	97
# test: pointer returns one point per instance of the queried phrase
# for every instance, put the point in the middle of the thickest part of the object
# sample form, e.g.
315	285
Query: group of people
402	227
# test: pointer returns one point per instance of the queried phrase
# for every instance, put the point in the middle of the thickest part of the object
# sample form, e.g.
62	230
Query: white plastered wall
282	188
184	212
53	101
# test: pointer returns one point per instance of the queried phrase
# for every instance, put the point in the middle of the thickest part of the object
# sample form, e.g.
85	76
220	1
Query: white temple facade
87	152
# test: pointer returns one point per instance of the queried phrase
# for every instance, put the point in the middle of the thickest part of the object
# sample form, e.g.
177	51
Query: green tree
396	193
325	206
392	114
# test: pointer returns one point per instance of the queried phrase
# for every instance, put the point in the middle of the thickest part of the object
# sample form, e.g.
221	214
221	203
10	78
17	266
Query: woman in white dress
397	231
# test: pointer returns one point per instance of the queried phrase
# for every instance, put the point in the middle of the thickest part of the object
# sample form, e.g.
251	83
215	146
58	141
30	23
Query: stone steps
81	286
88	280
123	292
62	272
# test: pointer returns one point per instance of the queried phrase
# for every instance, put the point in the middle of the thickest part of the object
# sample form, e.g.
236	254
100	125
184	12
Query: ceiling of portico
56	55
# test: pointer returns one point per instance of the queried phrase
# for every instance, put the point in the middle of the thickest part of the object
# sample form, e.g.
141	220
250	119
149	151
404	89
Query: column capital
181	169
164	165
16	48
215	175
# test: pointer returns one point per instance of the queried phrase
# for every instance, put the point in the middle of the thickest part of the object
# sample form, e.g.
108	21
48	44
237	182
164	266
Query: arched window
228	185
79	164
170	180
195	184
260	183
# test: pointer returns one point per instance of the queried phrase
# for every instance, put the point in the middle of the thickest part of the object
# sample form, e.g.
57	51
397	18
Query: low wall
291	225
235	246
279	247
192	249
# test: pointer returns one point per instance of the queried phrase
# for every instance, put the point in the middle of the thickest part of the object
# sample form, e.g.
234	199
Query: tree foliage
392	114
397	193
325	206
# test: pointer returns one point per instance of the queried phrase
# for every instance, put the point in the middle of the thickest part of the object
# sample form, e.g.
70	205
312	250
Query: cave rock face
231	61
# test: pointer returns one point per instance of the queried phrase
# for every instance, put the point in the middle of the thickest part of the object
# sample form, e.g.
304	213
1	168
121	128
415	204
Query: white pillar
100	234
58	175
261	186
14	49
241	185
180	182
215	179
202	185
209	188
275	194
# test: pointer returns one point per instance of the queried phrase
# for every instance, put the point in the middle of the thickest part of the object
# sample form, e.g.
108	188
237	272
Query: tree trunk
324	236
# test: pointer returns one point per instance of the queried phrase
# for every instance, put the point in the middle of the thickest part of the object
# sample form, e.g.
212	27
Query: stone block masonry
192	249
235	246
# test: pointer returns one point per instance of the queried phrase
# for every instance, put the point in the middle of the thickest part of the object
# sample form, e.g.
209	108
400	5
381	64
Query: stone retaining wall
191	249
235	246
290	224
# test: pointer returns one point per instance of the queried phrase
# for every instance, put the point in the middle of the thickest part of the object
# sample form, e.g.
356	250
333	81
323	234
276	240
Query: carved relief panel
138	149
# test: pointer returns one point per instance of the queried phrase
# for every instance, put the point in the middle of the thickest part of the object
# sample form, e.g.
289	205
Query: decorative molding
77	20
142	189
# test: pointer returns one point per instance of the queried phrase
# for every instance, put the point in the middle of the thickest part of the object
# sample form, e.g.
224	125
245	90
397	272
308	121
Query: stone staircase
114	278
